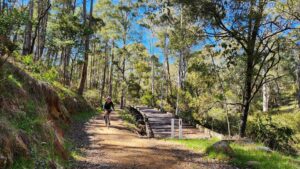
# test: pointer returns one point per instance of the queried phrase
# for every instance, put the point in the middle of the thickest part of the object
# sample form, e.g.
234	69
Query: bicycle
107	118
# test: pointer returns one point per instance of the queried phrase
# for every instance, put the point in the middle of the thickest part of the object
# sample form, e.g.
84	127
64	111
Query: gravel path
118	148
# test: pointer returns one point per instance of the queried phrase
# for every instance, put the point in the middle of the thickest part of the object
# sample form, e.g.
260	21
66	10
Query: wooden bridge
160	125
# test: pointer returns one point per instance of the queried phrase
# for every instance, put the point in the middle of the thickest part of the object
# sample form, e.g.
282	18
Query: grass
13	80
85	116
23	163
127	117
243	153
41	155
28	120
129	120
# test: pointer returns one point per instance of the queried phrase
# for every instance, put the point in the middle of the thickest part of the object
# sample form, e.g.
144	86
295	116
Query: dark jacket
108	106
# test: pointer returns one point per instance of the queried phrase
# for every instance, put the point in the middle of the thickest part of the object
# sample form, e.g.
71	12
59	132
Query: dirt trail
119	148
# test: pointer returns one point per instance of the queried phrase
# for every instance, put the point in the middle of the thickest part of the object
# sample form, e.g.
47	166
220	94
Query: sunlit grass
243	153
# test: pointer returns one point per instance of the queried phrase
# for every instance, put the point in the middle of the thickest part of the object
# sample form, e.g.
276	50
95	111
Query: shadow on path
118	148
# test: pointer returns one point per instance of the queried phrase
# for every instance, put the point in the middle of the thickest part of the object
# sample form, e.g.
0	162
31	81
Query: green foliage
84	116
196	144
273	135
50	75
146	99
126	116
27	60
23	163
93	96
29	120
13	80
243	153
133	87
274	160
10	20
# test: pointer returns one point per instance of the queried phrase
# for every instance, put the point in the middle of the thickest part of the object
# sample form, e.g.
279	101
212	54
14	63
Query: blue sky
146	34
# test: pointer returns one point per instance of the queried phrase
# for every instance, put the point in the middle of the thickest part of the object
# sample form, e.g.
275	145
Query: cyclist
108	108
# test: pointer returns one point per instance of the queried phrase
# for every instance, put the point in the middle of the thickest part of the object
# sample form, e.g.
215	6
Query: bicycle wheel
106	120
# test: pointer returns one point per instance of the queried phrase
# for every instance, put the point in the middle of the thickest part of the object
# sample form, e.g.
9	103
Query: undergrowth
243	153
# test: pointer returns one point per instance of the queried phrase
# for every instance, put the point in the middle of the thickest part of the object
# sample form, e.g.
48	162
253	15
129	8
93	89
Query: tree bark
265	92
166	53
111	69
152	80
122	102
86	48
28	30
104	74
298	81
42	29
247	95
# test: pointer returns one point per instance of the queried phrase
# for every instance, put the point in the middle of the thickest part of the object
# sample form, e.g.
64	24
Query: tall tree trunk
298	80
72	68
42	29
179	82
86	48
247	95
91	71
265	92
111	69
67	54
122	102
104	74
250	52
152	80
28	30
166	53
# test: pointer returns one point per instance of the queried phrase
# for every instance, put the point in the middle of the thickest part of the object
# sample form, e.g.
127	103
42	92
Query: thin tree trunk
298	80
122	102
72	68
86	48
111	69
91	71
28	30
265	92
104	74
42	31
166	53
152	80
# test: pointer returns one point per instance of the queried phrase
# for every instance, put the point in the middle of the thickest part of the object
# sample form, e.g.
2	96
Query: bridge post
172	128
180	129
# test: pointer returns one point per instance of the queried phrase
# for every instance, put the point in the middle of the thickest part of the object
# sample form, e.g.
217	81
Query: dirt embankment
32	115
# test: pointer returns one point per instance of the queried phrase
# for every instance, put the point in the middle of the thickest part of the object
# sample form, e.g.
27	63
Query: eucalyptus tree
176	37
256	27
63	35
11	19
28	29
109	33
86	36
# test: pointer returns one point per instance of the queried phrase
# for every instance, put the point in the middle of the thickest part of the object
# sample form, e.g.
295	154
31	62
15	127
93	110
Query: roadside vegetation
245	154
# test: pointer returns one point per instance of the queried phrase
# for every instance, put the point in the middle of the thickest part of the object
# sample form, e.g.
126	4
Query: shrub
50	75
27	60
146	99
274	135
93	97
